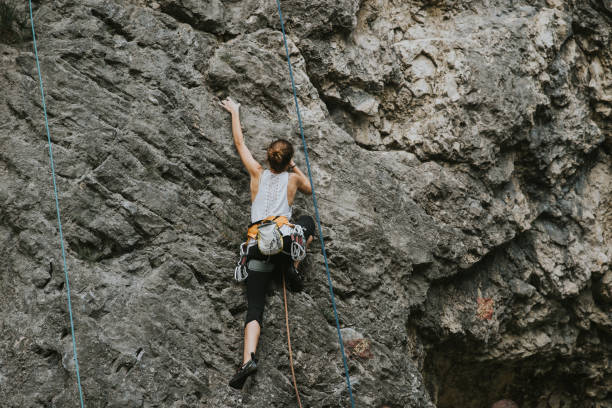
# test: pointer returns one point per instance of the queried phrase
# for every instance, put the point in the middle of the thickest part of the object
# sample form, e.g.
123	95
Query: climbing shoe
295	279
245	371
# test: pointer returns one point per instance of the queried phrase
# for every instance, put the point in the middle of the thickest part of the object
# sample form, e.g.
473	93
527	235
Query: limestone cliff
461	154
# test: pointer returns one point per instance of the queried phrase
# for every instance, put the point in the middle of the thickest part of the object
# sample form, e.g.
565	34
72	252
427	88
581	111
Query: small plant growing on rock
12	22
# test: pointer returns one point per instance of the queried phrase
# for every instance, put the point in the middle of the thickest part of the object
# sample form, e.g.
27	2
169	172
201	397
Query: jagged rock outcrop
461	154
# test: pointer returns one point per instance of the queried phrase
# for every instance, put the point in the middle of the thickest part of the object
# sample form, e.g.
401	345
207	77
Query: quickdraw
241	270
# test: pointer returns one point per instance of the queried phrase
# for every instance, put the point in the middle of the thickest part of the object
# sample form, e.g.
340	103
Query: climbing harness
297	250
280	220
59	219
314	200
260	266
297	393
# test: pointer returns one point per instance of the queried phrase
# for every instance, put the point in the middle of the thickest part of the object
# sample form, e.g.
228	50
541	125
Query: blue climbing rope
59	220
314	200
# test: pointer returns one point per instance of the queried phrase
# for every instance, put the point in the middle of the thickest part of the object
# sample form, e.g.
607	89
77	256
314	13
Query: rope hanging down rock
59	219
297	393
314	200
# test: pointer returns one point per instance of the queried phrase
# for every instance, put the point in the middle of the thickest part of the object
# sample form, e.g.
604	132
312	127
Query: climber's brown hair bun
280	153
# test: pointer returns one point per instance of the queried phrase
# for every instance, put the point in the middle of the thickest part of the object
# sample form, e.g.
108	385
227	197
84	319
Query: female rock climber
272	194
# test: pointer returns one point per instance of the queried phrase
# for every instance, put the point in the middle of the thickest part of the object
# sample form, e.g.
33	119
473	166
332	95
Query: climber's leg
257	284
249	367
251	338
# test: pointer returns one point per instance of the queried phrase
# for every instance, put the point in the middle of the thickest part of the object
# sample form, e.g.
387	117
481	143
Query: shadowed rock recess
462	156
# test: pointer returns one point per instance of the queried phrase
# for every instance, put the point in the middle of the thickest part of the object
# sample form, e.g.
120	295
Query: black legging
257	282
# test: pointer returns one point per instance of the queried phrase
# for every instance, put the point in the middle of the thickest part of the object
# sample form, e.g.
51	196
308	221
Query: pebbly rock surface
461	153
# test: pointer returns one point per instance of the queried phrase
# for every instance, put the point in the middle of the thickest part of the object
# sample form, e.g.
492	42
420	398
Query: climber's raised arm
252	166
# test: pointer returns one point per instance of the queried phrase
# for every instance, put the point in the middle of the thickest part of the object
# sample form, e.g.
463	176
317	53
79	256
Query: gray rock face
461	154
